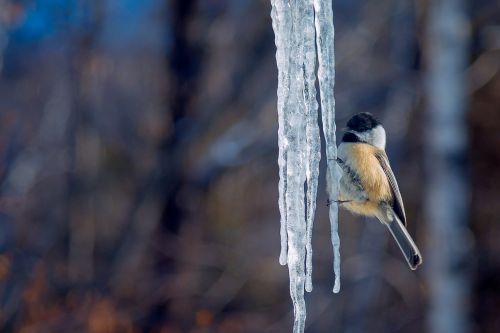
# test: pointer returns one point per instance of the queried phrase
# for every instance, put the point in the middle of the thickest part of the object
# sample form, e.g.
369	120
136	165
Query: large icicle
299	141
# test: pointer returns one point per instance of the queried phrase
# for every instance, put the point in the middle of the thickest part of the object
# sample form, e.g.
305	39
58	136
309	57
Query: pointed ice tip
309	286
336	287
283	260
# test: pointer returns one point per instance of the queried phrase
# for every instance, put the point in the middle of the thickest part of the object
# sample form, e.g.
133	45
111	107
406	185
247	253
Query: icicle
282	27
299	140
313	145
295	132
287	23
326	76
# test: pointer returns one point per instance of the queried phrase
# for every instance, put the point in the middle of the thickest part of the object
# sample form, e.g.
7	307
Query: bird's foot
329	202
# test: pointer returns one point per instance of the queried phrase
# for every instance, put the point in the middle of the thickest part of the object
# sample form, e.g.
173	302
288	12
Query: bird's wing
397	205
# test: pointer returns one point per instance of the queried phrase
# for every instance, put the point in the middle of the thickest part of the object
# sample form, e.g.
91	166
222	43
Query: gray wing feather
397	205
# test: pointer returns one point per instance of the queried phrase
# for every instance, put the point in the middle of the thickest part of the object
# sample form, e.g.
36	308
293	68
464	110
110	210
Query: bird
367	184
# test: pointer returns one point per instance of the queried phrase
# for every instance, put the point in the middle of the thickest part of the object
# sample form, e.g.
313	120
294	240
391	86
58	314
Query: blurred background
139	176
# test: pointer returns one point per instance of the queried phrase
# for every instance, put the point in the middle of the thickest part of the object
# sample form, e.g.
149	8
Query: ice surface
313	140
326	77
303	32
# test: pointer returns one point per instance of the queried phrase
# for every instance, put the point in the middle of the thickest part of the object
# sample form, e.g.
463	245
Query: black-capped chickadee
368	186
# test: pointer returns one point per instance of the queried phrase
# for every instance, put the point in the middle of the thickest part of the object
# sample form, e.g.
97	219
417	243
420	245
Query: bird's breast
361	158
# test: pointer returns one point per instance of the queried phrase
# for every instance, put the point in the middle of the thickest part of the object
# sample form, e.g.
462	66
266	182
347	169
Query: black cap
361	122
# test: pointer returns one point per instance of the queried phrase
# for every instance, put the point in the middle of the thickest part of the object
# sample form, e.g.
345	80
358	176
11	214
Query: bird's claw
329	202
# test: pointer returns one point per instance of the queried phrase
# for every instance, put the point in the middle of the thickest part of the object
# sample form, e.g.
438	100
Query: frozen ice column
303	32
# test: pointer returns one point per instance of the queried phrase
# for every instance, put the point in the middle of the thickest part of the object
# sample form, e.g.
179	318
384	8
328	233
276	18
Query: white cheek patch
379	137
375	136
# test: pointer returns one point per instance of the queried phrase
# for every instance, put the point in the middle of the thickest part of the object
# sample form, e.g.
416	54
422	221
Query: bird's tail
405	242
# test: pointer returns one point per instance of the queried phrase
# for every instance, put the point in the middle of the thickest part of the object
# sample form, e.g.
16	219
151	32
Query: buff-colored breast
372	177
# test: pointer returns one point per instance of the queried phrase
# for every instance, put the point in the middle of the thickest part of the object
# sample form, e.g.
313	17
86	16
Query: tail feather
405	242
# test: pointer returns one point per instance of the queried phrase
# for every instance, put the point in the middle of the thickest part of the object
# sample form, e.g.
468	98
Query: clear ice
303	33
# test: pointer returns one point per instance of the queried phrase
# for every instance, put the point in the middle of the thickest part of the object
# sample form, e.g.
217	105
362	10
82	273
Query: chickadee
368	186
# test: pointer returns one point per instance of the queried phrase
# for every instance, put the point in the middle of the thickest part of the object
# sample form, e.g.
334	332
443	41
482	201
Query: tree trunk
446	200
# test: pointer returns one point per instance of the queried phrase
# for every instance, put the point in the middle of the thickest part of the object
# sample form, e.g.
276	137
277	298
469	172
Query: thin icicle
282	27
313	145
326	76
